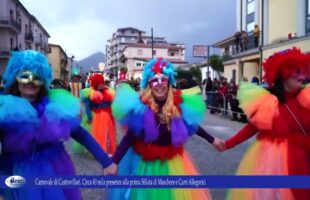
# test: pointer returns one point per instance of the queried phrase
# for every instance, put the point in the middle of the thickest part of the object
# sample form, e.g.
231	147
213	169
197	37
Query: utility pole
208	55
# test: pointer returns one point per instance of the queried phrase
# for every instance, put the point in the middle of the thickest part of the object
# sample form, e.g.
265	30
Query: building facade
19	30
135	56
282	24
59	62
123	37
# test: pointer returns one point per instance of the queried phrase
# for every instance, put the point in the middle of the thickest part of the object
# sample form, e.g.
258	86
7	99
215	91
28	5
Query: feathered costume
283	141
32	133
97	117
152	148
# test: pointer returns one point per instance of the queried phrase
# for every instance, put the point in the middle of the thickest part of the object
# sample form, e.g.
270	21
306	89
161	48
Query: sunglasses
29	77
155	82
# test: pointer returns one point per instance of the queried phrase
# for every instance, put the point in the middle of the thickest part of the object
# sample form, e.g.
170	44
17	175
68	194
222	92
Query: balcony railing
246	43
29	37
10	23
5	52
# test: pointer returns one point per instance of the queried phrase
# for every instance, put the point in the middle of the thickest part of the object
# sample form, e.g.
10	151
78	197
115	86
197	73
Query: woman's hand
219	144
110	170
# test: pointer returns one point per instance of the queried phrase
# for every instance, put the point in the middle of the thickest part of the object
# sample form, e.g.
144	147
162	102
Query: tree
193	72
216	63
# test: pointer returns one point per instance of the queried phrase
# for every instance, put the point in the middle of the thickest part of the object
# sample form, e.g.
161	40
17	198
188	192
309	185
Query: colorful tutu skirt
103	129
272	157
50	161
180	164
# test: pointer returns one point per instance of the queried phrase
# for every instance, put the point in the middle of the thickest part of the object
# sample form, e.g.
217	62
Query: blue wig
28	60
158	65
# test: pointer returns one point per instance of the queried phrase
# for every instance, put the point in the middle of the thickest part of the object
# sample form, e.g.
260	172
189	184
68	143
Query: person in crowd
34	122
256	35
237	41
98	118
279	116
159	122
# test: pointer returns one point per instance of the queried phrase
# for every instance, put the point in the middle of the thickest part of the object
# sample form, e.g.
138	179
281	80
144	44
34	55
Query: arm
122	148
217	143
205	135
84	138
245	133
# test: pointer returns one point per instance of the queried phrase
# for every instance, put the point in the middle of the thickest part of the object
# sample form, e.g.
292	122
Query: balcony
232	49
5	52
246	46
38	42
7	22
29	38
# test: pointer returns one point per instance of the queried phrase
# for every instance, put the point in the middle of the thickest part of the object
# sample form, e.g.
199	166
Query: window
251	6
250	26
154	52
26	28
140	52
11	14
233	75
12	43
250	17
171	53
138	64
308	17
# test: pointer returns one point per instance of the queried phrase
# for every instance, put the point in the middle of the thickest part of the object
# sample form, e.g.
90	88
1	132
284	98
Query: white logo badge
15	181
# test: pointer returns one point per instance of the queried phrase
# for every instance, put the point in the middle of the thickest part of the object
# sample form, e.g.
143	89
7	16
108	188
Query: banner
156	182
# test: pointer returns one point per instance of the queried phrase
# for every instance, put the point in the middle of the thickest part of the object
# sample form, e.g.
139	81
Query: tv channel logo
15	181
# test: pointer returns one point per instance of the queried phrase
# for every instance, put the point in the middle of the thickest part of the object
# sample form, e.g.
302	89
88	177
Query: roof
32	17
130	28
225	42
176	61
159	46
57	45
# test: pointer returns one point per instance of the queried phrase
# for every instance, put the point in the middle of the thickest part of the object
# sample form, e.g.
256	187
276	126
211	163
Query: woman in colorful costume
159	123
34	122
98	118
280	116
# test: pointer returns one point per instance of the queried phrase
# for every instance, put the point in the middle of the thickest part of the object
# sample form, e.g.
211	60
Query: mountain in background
91	61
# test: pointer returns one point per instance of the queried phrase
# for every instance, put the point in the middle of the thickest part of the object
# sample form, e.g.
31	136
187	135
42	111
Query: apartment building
59	62
135	56
19	30
123	37
283	24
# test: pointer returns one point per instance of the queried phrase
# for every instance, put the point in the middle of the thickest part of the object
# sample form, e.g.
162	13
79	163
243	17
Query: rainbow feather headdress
158	66
28	60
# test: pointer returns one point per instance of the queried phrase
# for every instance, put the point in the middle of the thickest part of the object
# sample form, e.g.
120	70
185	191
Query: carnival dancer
34	122
159	123
98	118
280	116
76	84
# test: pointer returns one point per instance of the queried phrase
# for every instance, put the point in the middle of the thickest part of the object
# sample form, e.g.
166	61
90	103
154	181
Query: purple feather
179	132
150	127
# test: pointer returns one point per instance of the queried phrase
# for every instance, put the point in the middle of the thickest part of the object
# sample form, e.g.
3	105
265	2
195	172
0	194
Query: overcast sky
82	27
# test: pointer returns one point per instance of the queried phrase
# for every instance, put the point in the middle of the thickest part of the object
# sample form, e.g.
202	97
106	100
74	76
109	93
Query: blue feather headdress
28	60
158	66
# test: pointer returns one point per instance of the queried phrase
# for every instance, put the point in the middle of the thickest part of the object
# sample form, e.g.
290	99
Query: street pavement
206	158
